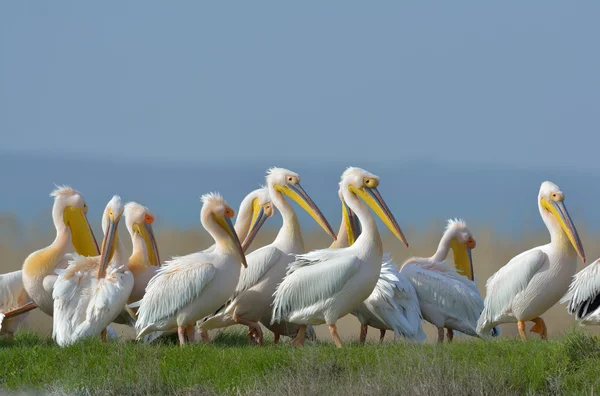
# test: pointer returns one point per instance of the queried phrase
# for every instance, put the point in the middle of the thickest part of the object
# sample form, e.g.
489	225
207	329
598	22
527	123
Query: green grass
570	365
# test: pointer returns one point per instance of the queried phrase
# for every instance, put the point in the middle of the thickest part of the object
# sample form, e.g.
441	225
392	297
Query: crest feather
63	191
212	197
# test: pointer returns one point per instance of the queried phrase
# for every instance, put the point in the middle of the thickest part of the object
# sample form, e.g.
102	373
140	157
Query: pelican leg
335	335
521	326
440	335
540	328
450	334
181	334
363	333
299	340
190	333
276	337
204	336
103	335
256	331
381	335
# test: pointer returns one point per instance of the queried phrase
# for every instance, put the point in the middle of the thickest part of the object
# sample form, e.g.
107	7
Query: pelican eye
370	182
229	213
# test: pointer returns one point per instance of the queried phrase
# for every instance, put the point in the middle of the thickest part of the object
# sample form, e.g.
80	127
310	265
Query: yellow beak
227	225
463	260
146	232
298	195
375	201
352	223
559	211
259	216
108	245
82	237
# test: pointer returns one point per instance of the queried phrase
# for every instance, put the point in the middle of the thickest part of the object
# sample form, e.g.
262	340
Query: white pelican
448	296
583	297
144	260
13	298
253	295
393	304
73	232
190	287
92	291
324	285
535	280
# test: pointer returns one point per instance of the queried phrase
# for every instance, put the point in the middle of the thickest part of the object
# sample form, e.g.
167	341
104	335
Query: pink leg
190	333
181	334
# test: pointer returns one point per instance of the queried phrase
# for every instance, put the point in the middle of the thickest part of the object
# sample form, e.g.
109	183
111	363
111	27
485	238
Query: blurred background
461	109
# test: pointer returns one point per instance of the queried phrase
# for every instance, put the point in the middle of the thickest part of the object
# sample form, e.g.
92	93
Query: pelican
324	285
12	297
144	260
91	292
447	294
536	279
190	287
73	232
583	297
253	296
256	205
393	304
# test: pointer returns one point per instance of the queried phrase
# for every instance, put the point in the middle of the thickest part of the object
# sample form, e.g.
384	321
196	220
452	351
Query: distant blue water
417	193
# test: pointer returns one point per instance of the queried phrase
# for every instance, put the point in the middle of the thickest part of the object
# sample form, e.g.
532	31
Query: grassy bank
568	365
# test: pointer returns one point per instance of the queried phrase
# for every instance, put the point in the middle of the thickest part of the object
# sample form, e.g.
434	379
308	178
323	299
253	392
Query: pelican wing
394	302
583	297
175	285
259	263
70	297
452	296
107	299
507	283
311	280
12	291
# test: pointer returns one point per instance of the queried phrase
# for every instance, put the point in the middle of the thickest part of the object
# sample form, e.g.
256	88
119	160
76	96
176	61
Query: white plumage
324	285
190	287
12	296
583	297
393	305
253	295
532	282
448	299
91	292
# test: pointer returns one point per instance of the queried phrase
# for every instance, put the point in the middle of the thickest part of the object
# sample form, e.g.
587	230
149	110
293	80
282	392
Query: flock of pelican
282	287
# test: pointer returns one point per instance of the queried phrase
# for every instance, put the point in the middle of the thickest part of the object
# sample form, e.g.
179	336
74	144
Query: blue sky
515	84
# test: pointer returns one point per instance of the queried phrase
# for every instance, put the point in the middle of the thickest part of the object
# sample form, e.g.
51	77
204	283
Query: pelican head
70	207
287	182
461	242
554	212
138	220
350	219
262	209
110	223
364	184
215	207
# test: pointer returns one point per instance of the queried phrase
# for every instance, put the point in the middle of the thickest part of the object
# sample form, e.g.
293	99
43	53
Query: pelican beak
352	223
298	195
260	213
108	245
147	234
375	201
559	211
82	237
463	259
227	225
